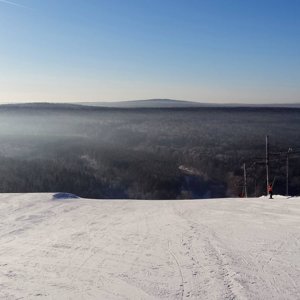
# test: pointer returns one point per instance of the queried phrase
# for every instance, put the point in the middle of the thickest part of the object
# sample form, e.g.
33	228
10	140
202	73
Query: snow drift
125	249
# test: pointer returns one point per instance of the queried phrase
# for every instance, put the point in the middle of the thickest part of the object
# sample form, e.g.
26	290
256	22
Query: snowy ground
99	249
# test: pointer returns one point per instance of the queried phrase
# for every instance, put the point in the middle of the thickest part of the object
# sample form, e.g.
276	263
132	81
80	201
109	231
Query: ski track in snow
129	249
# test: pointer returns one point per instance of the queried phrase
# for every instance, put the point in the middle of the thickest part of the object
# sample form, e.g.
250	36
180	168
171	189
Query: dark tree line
144	153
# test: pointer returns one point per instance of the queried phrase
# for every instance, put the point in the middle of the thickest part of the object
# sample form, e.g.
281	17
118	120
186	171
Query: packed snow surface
56	248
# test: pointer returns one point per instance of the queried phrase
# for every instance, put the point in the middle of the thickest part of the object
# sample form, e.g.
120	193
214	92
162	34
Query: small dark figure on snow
270	190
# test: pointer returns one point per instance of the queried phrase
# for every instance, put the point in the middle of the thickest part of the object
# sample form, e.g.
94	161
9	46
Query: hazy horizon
153	99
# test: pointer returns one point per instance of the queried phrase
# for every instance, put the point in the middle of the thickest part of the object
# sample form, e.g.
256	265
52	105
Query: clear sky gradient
103	50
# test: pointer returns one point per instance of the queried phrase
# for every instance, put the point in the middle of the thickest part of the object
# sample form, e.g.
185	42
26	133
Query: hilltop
172	103
60	247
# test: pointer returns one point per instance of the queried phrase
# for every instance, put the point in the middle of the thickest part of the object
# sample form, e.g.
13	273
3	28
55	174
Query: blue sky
96	50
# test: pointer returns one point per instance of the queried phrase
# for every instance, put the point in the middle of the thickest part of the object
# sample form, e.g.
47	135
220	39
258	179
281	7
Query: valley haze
172	150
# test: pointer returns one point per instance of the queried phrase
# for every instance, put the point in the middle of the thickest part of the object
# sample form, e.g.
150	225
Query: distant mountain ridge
148	103
169	103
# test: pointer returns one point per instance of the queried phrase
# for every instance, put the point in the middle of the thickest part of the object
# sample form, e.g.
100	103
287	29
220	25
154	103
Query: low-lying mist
146	153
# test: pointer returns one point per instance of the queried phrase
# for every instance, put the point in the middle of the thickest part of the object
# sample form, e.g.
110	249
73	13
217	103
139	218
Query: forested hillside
148	153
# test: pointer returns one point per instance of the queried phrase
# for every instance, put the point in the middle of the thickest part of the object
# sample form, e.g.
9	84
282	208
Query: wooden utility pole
267	162
287	174
287	171
245	181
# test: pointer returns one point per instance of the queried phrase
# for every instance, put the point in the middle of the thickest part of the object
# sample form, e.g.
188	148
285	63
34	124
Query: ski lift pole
287	174
245	181
287	171
267	161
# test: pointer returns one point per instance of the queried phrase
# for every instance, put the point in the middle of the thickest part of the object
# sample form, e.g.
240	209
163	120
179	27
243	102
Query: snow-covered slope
119	249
